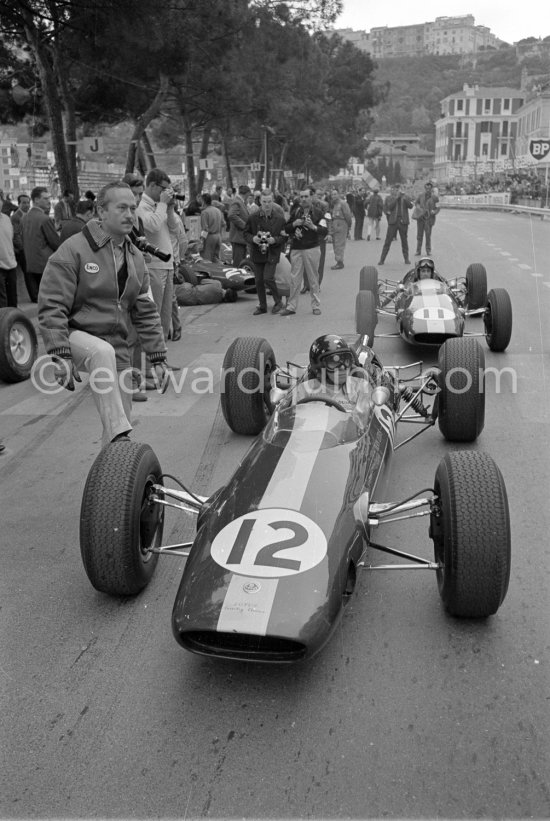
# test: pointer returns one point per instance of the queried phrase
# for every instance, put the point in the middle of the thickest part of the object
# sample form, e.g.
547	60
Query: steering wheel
328	400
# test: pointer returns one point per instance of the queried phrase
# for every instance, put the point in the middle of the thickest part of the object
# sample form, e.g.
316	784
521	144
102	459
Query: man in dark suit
84	212
40	239
238	217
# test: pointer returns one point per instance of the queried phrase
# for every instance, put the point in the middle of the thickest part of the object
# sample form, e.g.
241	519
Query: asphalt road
407	713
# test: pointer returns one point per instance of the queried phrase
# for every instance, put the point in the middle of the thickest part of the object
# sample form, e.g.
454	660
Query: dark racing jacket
307	238
80	291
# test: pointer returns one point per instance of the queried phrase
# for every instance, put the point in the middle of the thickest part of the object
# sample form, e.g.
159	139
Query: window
485	150
458	130
504	149
505	129
486	106
485	127
506	104
460	105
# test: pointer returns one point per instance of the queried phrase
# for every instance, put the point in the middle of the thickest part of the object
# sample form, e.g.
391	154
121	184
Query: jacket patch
91	268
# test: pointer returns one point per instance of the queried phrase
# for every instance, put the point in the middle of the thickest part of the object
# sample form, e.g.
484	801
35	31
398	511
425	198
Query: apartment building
488	130
445	35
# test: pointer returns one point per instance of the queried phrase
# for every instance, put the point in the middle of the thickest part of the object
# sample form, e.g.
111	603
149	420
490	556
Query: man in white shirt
161	224
8	265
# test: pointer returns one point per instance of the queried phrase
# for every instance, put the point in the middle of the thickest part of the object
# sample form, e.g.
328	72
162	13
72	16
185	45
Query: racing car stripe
244	611
290	478
247	605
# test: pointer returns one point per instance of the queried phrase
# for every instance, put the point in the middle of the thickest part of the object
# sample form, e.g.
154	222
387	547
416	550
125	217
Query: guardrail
493	202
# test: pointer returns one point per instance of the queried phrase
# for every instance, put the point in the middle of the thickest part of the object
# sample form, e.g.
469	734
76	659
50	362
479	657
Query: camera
147	248
263	236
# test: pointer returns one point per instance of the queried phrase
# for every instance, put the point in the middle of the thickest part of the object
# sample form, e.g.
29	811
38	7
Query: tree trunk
143	121
70	128
228	172
203	155
54	111
282	160
190	162
149	153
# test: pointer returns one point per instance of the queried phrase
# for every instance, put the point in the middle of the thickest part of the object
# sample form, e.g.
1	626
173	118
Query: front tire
470	527
368	281
461	399
18	345
365	315
118	520
497	319
246	384
476	285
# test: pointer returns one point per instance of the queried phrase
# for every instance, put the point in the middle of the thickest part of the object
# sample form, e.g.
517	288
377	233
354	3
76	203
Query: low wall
498	201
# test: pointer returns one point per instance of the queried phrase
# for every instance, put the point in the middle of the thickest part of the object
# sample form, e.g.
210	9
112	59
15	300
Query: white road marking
505	253
536	275
524	266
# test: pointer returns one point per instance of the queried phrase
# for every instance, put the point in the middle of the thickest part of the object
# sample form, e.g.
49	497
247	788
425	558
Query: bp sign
539	148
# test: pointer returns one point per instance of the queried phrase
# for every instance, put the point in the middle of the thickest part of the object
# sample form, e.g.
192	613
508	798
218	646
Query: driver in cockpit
334	372
424	269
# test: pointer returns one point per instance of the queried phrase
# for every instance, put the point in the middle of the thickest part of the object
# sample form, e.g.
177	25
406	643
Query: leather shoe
380	262
407	262
304	290
139	396
286	312
337	266
277	307
173	367
176	336
259	311
316	311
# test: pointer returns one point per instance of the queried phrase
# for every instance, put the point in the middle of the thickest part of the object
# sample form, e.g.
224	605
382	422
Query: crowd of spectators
520	186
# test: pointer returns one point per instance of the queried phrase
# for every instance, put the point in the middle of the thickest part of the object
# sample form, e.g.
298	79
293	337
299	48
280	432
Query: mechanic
335	372
91	287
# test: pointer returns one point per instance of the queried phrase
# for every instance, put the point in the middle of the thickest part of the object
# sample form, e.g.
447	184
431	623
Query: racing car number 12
269	543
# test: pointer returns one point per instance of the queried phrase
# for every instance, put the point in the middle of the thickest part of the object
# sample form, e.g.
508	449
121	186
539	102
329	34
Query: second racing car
429	309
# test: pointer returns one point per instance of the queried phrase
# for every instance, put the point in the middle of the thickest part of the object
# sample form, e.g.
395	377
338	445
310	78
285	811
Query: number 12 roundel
269	543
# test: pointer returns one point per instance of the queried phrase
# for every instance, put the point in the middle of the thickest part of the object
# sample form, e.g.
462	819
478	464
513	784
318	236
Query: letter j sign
539	148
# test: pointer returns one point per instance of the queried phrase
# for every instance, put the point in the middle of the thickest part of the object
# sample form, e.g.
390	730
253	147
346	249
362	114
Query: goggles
334	361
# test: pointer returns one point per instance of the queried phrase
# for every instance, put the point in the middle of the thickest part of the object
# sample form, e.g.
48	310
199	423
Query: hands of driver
65	372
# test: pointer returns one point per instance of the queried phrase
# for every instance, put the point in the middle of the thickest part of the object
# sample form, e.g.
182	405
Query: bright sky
508	21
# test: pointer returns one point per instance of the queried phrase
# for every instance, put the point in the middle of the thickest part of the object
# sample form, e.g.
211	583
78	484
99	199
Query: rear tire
246	384
498	319
368	281
365	315
18	345
118	520
461	399
471	532
476	285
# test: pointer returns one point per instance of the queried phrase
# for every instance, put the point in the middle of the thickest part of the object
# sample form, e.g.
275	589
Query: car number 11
269	543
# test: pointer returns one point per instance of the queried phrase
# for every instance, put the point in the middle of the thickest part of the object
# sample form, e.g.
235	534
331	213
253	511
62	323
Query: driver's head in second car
425	268
331	359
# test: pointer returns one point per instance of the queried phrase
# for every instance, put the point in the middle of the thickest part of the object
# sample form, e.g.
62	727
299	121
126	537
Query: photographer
397	208
160	225
263	233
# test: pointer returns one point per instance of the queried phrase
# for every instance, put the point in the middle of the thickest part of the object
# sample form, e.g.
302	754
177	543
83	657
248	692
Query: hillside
418	84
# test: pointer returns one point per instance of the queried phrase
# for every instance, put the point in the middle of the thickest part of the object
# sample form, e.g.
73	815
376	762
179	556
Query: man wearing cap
428	203
238	216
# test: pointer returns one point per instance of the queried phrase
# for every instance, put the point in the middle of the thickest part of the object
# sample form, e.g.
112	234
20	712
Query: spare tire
246	385
18	345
